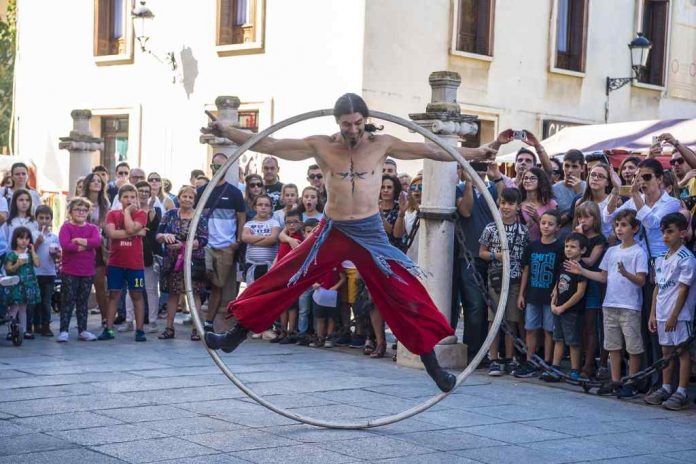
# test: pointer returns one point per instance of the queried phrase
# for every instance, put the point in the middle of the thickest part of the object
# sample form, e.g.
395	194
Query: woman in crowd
628	169
288	198
537	198
172	233
407	222
557	171
309	203
254	188
20	180
155	181
599	185
94	190
389	207
79	186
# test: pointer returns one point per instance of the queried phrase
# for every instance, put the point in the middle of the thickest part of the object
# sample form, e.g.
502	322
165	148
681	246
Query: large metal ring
378	421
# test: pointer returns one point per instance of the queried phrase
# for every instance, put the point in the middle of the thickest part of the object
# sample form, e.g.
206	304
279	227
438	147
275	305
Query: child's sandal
194	336
167	334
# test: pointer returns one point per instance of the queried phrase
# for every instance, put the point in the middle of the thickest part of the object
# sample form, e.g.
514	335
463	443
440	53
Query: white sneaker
269	335
255	336
86	336
9	281
152	328
126	327
62	337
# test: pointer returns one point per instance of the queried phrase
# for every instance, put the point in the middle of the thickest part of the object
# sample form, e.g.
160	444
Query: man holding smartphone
525	158
683	164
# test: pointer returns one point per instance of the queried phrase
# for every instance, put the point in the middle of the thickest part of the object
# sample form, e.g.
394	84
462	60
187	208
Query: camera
518	135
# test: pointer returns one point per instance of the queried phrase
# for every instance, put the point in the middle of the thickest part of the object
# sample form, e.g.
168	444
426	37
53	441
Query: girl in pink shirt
79	240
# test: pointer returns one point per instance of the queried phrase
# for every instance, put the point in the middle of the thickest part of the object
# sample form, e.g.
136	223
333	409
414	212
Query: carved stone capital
227	102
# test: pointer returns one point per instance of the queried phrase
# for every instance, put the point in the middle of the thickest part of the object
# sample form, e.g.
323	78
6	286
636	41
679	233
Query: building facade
538	65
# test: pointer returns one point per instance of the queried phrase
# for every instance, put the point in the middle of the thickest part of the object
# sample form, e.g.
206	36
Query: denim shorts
568	328
537	316
118	277
593	295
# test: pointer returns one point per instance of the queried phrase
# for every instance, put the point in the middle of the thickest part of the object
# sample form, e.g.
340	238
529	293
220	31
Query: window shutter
655	15
102	25
226	16
577	35
466	33
483	28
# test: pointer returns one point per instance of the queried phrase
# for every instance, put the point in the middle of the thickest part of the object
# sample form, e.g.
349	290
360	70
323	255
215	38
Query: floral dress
27	290
172	223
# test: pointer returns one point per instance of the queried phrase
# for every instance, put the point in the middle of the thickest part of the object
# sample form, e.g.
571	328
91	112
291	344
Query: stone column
81	143
436	242
228	110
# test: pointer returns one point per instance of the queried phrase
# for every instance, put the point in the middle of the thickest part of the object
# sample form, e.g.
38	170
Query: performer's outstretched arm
415	150
288	149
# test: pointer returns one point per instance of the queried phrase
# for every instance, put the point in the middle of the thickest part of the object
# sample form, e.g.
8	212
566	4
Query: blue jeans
42	311
305	304
474	304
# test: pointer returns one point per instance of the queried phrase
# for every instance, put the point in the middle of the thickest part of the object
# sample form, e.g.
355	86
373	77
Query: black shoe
119	320
443	379
227	341
626	391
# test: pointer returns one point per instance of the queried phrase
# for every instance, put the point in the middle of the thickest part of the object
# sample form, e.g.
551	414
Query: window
236	22
655	22
474	26
114	131
571	34
110	27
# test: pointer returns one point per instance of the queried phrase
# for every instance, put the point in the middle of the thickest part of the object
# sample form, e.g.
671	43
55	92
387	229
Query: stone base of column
450	356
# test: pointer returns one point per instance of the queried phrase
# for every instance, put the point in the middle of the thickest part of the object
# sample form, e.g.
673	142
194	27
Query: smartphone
518	135
655	140
210	115
625	190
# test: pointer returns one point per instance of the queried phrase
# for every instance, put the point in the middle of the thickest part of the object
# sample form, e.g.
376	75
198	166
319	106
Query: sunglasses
154	179
215	167
315	176
255	184
122	173
416	188
647	177
676	161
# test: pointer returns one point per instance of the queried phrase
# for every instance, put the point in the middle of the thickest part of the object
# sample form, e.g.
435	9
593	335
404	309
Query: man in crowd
683	164
271	180
389	168
572	185
122	172
195	174
525	157
225	212
316	179
135	175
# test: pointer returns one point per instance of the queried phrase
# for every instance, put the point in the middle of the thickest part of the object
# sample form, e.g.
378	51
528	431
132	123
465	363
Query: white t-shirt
680	268
47	266
261	254
621	292
348	265
279	216
27	222
318	216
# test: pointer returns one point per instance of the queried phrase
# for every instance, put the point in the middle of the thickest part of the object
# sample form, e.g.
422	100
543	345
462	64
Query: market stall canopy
633	136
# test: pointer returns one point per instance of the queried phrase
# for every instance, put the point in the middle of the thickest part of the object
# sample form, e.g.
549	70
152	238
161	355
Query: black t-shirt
543	260
591	244
150	244
566	286
274	191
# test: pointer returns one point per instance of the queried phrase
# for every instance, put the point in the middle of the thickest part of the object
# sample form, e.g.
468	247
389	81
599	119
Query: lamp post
640	49
142	15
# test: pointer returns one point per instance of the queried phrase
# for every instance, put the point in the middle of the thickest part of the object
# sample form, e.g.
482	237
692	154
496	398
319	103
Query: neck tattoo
352	175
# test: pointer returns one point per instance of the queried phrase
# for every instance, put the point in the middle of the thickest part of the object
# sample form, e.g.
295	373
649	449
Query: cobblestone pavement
165	401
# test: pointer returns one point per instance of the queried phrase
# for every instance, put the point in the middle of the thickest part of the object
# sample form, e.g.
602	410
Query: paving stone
47	380
448	440
28	408
111	434
265	418
377	447
458	418
208	459
513	455
238	440
517	412
294	400
67	421
645	459
146	413
310	434
157	449
68	456
516	434
217	407
435	458
191	426
9	429
582	449
578	427
189	394
12	374
22	444
176	371
38	393
337	413
306	454
646	442
683	456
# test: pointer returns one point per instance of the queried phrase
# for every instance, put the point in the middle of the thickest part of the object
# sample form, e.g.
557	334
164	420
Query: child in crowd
79	240
540	260
518	238
567	306
293	228
48	249
125	228
288	197
588	222
305	300
672	312
623	269
308	205
261	236
20	261
325	314
346	300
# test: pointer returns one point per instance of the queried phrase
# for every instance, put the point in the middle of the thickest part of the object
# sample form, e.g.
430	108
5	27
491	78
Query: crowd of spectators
602	264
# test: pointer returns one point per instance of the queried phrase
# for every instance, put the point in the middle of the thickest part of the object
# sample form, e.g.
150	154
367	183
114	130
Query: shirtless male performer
352	229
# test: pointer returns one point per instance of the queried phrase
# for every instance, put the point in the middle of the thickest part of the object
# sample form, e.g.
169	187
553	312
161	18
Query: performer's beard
352	140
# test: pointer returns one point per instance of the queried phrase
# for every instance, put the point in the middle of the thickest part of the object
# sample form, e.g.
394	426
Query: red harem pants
405	305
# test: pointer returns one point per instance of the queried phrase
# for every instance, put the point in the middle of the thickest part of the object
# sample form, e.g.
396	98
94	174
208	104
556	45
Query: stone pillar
81	143
436	242
228	110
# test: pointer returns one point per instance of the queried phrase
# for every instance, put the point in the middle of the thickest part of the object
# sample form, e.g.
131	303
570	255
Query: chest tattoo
352	175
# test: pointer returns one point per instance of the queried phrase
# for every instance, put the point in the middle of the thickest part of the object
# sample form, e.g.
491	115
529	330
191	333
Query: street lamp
142	16
640	49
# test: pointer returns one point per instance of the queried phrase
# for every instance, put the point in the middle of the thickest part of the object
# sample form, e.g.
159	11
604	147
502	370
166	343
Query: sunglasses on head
315	176
676	161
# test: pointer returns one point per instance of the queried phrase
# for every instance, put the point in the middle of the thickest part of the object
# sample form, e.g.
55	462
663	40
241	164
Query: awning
633	136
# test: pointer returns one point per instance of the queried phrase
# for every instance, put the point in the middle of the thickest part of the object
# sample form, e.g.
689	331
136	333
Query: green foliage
8	37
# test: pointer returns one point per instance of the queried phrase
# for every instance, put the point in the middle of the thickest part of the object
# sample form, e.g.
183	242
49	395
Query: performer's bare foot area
443	379
227	341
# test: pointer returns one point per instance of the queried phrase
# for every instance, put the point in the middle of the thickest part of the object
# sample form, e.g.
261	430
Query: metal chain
538	361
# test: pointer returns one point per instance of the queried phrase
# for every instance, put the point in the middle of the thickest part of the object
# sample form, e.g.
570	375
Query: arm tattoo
352	175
